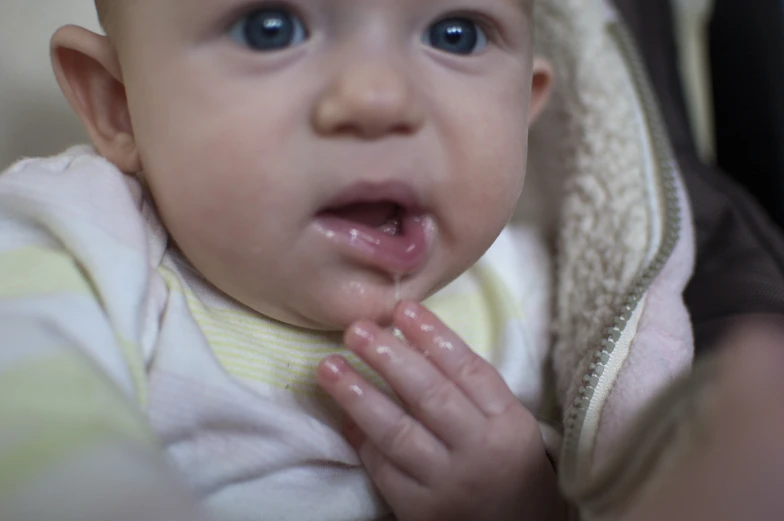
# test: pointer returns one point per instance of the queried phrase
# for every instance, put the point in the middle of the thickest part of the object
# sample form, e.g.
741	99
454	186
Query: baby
272	190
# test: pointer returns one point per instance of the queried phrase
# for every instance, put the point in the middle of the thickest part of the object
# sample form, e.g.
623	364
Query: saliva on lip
391	227
397	278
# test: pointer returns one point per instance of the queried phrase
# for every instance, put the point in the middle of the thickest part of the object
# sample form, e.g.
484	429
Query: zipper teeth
664	157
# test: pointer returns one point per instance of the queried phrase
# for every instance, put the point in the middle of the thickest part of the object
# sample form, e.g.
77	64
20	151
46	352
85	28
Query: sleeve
740	252
76	303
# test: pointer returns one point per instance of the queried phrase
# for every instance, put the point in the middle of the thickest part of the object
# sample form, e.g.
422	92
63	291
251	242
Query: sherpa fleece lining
595	184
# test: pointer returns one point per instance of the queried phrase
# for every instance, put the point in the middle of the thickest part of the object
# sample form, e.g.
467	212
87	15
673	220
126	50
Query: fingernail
413	311
359	336
333	369
387	352
410	310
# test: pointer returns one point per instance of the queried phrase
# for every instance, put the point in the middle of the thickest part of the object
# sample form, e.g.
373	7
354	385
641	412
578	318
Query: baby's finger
353	435
429	396
394	484
479	380
403	440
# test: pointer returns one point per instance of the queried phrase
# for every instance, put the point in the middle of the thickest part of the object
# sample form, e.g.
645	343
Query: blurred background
35	119
732	72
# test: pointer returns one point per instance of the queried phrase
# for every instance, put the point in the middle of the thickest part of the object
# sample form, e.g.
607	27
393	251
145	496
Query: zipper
665	167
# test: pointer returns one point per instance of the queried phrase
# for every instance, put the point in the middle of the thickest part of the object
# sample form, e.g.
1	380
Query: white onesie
103	321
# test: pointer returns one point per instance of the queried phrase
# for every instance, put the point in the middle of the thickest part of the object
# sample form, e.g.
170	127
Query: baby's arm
463	449
72	446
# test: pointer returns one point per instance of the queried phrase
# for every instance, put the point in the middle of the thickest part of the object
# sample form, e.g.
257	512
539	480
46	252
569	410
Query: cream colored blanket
605	181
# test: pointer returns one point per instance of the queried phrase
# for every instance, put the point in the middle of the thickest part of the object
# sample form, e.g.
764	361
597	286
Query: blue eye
456	36
269	30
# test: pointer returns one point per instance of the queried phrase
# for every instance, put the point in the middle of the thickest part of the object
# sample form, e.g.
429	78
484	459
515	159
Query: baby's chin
335	309
340	320
339	312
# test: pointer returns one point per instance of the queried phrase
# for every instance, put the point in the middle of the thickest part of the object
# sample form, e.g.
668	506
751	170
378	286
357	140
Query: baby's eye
456	36
269	30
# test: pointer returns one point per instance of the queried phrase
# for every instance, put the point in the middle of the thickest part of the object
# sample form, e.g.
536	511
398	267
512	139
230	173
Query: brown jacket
740	256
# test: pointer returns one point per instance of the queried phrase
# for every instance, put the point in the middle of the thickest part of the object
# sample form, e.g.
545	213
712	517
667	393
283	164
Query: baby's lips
401	254
407	253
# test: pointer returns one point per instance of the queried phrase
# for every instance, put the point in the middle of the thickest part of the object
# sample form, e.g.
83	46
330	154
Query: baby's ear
541	87
88	71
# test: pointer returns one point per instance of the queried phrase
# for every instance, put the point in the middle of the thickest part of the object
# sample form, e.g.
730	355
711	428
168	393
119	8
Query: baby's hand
465	448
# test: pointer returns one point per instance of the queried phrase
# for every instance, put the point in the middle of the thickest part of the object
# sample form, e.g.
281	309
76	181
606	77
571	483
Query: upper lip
395	192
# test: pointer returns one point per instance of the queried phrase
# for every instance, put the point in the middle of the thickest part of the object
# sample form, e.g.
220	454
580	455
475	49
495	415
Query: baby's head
304	154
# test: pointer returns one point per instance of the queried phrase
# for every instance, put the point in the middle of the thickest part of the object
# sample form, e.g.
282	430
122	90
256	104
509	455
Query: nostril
370	130
404	129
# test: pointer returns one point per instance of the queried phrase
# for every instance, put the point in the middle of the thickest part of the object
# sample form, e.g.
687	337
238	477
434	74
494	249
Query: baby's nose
370	101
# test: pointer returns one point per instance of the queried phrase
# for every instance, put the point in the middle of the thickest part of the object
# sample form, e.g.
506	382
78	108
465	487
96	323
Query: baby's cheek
493	204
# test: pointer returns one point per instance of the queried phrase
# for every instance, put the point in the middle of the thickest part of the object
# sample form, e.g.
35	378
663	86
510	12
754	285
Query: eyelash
486	23
249	8
489	26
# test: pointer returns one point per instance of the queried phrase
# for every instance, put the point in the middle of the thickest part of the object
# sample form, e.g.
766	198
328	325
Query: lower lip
402	254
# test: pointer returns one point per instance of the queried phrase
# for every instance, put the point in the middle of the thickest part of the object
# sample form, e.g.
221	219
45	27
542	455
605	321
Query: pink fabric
662	349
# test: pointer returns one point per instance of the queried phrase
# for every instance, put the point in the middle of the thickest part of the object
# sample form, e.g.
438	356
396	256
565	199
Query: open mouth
385	217
379	226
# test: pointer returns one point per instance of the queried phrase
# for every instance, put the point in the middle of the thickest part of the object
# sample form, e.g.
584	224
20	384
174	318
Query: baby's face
303	157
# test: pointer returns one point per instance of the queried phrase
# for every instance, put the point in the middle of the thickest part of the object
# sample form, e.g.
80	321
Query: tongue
374	215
